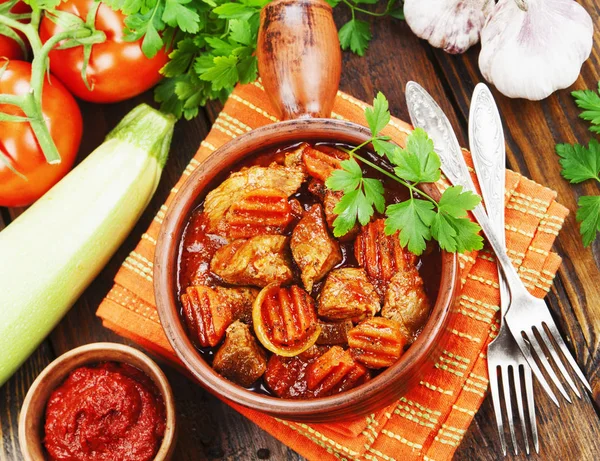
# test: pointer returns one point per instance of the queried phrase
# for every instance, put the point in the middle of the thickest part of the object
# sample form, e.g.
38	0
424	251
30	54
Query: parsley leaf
379	115
418	162
578	163
413	219
588	214
223	73
347	179
589	101
355	35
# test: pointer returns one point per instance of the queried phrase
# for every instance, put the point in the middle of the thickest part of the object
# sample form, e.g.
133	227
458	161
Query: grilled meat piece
293	158
239	300
285	319
321	164
376	342
256	261
240	359
406	302
381	255
238	184
206	315
313	249
334	332
259	211
333	372
347	293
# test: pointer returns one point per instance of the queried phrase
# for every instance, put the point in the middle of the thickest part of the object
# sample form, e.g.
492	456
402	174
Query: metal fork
504	358
527	315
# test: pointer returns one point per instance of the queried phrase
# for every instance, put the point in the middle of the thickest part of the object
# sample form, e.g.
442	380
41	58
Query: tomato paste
111	411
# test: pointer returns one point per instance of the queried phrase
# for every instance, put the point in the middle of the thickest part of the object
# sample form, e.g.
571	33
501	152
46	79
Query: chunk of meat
206	315
321	164
333	372
259	211
347	293
313	249
293	158
406	302
285	319
219	200
381	255
288	377
256	261
240	301
376	342
240	359
334	332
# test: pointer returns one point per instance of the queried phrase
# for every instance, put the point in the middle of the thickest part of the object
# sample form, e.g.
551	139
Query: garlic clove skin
530	53
453	25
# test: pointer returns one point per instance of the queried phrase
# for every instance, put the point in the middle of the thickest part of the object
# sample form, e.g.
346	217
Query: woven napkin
431	419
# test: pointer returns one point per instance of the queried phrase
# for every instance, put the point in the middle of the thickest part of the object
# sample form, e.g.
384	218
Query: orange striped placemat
431	419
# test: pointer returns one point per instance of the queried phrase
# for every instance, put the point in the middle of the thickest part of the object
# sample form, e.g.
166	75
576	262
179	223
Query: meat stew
266	288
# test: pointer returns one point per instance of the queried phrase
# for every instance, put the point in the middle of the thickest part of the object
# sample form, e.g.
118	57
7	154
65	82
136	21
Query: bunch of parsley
418	219
213	43
580	163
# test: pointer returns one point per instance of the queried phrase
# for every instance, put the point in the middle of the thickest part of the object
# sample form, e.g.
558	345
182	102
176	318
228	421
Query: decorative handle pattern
427	114
486	139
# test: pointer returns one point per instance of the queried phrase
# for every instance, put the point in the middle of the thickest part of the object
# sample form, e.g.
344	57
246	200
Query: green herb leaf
178	14
413	219
578	162
385	148
374	193
588	215
456	202
347	179
418	162
589	101
355	35
379	115
223	73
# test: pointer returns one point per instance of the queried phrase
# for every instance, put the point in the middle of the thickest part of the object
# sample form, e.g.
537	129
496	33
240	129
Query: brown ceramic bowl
376	393
31	420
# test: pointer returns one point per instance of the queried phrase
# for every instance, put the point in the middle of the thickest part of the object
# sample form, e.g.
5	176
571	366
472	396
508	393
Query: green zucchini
51	253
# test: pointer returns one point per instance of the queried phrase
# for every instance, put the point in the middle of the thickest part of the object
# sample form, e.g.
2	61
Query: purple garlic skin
531	48
453	25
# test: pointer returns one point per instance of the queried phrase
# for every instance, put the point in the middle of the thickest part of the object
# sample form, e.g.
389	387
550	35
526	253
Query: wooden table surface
211	430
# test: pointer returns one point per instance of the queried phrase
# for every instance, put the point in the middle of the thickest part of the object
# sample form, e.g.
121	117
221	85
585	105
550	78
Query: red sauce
111	411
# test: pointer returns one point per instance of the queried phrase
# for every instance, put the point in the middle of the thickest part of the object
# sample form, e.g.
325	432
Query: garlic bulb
453	25
531	48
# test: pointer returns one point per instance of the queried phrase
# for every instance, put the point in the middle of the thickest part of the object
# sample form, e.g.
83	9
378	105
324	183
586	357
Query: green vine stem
31	102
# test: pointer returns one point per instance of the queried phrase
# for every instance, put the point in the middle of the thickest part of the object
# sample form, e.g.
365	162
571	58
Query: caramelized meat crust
406	302
333	372
333	333
377	342
239	300
321	164
313	249
285	319
240	359
259	211
257	261
347	293
238	184
381	255
286	376
206	314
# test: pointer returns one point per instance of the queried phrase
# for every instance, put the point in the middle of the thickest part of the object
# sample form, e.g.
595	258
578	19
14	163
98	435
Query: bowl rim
95	351
165	270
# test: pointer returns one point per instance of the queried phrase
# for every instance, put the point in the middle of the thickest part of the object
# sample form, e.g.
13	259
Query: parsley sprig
580	163
418	219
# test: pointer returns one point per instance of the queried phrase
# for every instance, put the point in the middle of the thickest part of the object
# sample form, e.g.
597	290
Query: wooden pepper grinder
299	57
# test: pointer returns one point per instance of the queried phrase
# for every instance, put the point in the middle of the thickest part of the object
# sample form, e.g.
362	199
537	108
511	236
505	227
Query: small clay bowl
31	420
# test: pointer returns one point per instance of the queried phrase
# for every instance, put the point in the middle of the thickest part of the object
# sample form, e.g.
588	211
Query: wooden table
211	430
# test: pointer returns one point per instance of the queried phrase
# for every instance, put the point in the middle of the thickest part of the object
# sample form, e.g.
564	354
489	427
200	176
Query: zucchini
51	253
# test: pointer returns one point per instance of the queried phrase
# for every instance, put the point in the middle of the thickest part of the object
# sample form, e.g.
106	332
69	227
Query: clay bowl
378	392
31	420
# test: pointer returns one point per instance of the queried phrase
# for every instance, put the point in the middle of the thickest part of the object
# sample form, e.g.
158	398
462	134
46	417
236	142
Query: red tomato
117	69
19	145
8	47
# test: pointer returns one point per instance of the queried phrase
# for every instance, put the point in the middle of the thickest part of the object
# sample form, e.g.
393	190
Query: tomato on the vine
19	149
8	47
117	69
